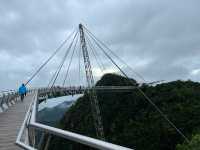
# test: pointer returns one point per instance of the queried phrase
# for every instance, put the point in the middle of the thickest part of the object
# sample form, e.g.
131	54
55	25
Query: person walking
22	92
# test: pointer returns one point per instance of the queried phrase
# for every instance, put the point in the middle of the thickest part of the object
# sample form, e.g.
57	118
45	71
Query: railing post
1	103
5	106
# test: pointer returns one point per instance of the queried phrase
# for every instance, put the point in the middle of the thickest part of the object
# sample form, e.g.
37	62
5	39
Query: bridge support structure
28	135
91	91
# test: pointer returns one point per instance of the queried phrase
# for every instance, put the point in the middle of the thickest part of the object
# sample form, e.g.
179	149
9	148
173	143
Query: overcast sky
159	39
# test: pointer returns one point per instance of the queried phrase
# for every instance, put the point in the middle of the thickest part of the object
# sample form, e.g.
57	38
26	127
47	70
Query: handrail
22	129
30	122
95	143
7	99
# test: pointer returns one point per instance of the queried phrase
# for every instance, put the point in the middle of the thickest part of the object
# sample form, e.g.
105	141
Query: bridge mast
91	91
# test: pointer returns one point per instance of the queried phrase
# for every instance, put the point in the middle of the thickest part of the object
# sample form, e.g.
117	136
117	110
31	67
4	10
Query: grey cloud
159	39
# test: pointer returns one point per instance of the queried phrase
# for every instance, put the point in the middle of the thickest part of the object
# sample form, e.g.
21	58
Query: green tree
129	120
194	144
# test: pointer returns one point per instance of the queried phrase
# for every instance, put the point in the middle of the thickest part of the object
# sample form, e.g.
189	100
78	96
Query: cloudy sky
159	39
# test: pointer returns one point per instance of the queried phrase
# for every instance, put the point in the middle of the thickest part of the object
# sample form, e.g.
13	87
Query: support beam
92	93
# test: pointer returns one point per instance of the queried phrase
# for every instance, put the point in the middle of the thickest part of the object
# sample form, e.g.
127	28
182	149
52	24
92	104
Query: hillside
129	120
52	116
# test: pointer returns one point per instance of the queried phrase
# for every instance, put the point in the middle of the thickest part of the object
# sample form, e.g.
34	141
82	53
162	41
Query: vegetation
194	144
129	119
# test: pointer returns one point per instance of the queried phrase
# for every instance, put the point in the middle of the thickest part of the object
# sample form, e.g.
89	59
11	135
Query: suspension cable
94	54
55	73
70	62
79	64
146	97
52	78
46	62
100	59
64	58
112	52
100	47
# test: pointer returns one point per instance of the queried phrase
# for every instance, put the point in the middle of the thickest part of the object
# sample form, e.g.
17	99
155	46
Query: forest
131	121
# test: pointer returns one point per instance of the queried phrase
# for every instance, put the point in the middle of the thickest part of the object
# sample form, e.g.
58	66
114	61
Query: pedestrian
22	92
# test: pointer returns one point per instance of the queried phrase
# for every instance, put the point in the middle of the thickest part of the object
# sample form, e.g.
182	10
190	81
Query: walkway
10	123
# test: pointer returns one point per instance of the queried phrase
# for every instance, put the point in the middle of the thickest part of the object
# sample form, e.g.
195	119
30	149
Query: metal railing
7	99
27	134
52	92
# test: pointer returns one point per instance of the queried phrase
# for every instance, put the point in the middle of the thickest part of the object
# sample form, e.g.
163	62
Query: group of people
22	91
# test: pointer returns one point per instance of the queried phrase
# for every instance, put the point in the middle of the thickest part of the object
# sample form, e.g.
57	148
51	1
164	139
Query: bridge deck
10	122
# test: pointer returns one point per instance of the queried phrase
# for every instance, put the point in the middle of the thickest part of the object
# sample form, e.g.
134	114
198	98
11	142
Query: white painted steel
95	143
23	127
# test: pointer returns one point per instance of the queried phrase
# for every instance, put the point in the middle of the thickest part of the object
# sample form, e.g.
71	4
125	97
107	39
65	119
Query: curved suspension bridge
18	120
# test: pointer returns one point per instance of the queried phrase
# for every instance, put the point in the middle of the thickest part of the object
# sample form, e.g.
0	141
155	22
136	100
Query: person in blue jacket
22	91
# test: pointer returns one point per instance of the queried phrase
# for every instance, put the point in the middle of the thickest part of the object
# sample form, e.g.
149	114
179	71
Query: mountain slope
52	116
129	120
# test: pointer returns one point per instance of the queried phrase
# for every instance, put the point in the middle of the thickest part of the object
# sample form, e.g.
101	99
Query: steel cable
99	63
70	62
146	97
62	62
46	62
122	61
